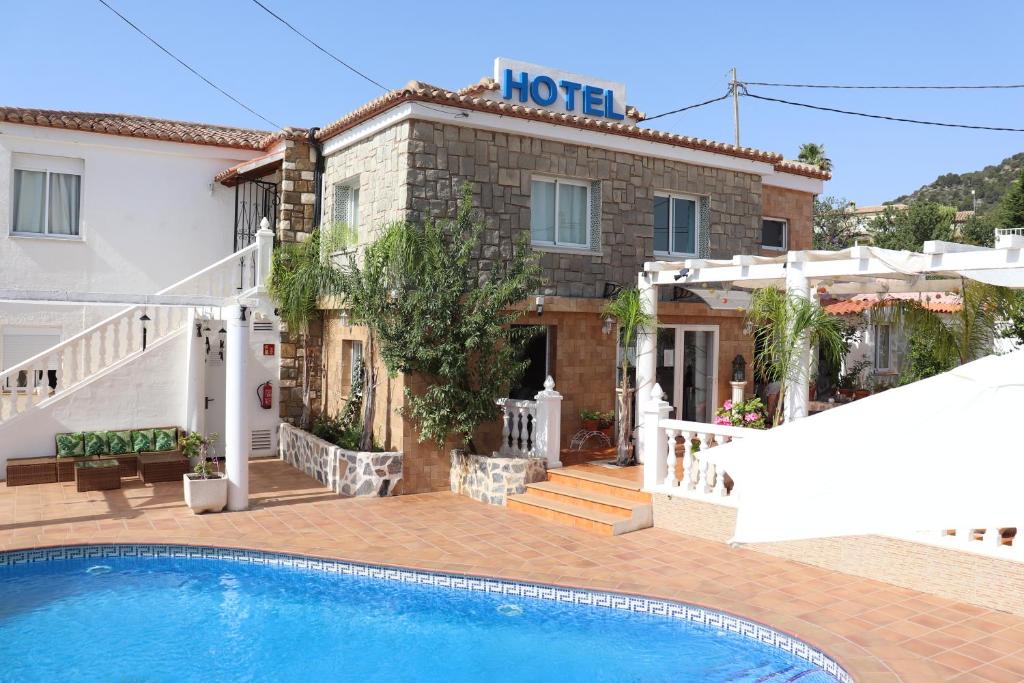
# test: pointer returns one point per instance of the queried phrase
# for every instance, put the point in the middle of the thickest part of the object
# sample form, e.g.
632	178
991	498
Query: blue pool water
164	619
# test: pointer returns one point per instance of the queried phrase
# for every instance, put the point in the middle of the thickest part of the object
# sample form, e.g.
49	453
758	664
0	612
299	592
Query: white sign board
561	91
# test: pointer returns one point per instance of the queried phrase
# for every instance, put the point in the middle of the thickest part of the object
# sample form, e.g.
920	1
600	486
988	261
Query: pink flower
751	417
727	405
722	420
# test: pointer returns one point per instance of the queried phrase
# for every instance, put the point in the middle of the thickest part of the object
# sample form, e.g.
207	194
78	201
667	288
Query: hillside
954	189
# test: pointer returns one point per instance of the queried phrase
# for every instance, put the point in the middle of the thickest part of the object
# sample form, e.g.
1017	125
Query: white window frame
698	228
678	359
785	233
49	166
570	246
888	367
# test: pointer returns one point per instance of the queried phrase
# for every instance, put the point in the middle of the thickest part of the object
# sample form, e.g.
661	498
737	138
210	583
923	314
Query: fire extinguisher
265	393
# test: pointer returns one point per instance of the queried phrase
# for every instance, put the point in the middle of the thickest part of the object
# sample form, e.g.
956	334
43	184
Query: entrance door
213	422
688	370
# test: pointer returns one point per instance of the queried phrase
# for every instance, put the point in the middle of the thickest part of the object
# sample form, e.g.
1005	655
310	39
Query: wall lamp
144	319
606	325
683	272
540	305
611	289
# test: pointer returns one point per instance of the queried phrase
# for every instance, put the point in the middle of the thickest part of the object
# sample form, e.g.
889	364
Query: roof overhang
249	170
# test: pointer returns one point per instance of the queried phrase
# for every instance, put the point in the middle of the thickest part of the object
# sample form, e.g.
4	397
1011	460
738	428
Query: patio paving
877	631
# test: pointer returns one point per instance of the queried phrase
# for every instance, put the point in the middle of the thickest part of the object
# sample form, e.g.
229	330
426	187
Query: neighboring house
597	194
960	219
880	344
866	214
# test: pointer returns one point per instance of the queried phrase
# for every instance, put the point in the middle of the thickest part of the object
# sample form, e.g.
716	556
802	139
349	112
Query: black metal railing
254	201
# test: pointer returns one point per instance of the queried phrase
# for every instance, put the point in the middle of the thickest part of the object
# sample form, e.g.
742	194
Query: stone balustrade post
547	438
653	439
265	249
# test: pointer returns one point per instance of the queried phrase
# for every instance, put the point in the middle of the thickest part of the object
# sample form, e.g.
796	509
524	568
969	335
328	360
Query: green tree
978	230
835	224
632	317
435	316
814	154
1011	209
910	228
301	275
784	321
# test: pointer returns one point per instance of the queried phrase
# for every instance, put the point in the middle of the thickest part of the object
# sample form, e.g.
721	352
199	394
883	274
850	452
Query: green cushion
70	444
96	443
119	443
142	440
165	438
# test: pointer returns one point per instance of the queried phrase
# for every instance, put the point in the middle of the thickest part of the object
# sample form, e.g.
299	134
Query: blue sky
75	54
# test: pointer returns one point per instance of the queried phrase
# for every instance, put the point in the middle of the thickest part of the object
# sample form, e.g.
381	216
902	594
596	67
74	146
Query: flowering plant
749	413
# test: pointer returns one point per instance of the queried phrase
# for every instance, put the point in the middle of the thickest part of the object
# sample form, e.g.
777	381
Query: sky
77	55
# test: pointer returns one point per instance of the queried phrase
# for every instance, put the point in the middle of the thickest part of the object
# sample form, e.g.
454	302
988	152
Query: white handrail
723	430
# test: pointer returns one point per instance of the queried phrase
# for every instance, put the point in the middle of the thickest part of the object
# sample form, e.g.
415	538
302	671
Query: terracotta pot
606	430
591	425
861	393
845	393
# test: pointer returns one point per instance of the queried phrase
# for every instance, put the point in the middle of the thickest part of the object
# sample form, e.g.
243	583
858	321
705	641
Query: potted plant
206	487
591	420
850	382
605	420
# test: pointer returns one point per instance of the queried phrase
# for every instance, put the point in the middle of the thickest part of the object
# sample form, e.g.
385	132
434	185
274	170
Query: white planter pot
206	495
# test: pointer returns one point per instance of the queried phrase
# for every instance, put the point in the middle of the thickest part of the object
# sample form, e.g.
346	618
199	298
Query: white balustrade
682	461
1005	542
532	429
119	337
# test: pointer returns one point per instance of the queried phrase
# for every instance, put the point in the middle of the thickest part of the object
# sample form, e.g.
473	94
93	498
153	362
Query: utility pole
734	89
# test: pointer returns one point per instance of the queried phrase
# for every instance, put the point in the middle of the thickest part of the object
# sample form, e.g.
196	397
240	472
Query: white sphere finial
264	223
549	384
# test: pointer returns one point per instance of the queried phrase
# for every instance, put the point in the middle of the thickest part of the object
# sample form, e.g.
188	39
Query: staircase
583	497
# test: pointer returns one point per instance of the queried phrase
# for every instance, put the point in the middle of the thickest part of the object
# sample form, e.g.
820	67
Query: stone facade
349	473
491	479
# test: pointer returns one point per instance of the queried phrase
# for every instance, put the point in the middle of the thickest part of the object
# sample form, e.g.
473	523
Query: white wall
150	215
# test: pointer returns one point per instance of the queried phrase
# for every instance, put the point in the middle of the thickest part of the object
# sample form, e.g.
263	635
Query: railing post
547	428
265	248
652	437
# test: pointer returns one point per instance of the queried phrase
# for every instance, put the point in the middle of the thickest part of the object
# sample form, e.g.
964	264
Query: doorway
687	370
215	395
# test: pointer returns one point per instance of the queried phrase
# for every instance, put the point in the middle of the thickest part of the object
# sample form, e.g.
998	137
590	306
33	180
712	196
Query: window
539	352
345	213
883	348
351	363
356	362
676	225
46	195
560	213
774	233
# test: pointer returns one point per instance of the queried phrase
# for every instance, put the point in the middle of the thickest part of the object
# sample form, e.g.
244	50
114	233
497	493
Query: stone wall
349	473
966	577
500	166
491	479
798	210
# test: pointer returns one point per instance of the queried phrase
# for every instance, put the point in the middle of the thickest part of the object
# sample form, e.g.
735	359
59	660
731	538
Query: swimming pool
184	613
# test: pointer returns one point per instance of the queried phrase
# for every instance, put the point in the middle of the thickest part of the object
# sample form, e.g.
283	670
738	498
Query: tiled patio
879	632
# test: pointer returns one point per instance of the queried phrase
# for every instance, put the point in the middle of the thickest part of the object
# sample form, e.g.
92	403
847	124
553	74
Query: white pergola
941	266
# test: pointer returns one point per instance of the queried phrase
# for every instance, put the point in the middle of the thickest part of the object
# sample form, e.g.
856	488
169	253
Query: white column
737	391
652	438
264	247
547	437
646	357
797	386
237	432
195	389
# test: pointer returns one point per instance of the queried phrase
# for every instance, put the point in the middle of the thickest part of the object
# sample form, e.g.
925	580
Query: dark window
773	233
539	352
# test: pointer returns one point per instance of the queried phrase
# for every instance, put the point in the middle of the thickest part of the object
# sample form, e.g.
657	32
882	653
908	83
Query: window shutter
342	194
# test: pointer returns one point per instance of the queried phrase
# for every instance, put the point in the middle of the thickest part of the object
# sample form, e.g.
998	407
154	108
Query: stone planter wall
491	479
349	473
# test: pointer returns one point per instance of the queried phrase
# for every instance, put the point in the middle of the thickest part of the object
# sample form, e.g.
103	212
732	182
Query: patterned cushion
70	444
119	443
142	440
96	443
165	438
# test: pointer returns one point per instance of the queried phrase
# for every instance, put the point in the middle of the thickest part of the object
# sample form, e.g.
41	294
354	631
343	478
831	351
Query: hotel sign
560	91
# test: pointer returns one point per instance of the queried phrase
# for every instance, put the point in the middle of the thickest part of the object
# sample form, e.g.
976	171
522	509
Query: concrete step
580	517
596	482
592	500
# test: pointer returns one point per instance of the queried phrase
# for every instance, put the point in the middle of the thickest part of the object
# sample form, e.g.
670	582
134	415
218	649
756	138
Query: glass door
687	370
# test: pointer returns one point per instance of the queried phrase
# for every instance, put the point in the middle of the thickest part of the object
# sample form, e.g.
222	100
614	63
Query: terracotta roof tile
933	301
469	98
140	127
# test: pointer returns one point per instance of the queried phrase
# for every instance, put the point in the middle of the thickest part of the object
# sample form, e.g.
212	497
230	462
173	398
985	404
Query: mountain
954	189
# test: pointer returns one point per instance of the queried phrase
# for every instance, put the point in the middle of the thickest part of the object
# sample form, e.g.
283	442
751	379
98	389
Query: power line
692	106
881	116
1007	86
179	61
312	42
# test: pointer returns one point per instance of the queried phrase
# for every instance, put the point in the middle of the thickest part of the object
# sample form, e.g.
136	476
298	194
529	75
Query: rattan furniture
166	466
23	471
128	462
66	466
97	475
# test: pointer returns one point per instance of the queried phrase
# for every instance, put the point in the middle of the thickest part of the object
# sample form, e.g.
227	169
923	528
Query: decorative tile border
578	596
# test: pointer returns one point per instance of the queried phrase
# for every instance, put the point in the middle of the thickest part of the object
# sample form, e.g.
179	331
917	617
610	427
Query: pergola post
646	358
797	387
237	431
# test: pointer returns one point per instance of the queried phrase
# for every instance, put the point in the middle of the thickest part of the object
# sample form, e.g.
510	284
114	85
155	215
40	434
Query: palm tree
814	154
784	322
629	312
301	275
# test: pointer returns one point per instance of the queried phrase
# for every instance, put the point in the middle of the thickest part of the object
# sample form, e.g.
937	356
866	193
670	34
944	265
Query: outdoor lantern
220	333
344	318
144	319
606	324
739	369
540	305
199	329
